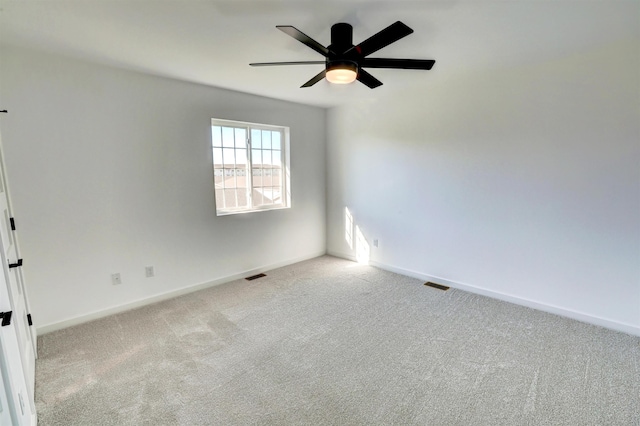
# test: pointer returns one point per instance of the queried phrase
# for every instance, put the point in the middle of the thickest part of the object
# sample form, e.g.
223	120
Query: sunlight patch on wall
355	238
348	227
362	247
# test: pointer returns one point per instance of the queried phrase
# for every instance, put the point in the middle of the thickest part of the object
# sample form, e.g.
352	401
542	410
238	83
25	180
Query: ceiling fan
345	62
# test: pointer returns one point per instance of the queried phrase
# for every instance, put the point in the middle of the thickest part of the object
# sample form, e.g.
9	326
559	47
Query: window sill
235	212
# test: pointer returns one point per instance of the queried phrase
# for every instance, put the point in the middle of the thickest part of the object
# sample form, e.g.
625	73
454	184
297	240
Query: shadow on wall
359	243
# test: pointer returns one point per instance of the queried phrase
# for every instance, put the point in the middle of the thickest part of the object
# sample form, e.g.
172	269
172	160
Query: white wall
110	171
522	184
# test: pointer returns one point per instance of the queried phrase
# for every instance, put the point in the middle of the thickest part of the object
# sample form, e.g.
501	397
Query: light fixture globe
342	72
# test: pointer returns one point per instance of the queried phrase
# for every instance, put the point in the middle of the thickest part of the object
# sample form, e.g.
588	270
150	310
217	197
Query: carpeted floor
331	342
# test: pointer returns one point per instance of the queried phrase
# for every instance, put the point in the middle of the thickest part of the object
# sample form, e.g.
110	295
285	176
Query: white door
14	395
16	293
5	413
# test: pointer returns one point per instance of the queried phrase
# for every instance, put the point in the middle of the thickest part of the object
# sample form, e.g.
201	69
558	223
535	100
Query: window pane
275	140
227	137
241	156
267	193
229	156
229	178
276	177
266	178
256	139
266	139
241	178
241	138
277	158
257	177
219	199
266	157
257	197
277	199
218	177
256	156
243	200
217	156
216	135
230	198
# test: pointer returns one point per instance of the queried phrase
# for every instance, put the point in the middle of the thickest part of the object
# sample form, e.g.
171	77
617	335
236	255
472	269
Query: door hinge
15	265
6	318
29	320
13	223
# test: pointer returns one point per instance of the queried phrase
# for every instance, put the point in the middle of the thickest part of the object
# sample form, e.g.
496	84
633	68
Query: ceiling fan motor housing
341	52
341	38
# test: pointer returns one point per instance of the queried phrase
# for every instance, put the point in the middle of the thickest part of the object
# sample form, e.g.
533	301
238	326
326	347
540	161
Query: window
250	166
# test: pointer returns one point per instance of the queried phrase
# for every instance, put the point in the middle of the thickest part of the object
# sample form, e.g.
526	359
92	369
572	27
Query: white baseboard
579	316
48	328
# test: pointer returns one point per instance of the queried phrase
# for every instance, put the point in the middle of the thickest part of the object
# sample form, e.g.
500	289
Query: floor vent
253	277
438	286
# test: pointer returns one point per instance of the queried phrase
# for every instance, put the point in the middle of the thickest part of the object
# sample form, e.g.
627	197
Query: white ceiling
212	42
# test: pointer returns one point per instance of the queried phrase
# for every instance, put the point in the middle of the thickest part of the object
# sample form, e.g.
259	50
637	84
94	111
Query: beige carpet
330	342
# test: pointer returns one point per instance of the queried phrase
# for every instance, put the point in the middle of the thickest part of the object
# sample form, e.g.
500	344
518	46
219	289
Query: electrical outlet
149	272
115	279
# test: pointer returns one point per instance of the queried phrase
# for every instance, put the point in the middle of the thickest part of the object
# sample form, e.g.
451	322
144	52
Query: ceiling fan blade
392	33
266	64
407	64
315	79
304	39
367	79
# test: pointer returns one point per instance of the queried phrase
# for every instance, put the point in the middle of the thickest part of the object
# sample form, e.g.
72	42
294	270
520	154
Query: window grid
267	179
228	142
248	167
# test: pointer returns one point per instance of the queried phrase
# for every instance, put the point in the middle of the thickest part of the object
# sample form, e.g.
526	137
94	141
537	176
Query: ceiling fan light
342	73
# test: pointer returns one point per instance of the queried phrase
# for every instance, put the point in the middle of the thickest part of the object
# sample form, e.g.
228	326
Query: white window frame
285	180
